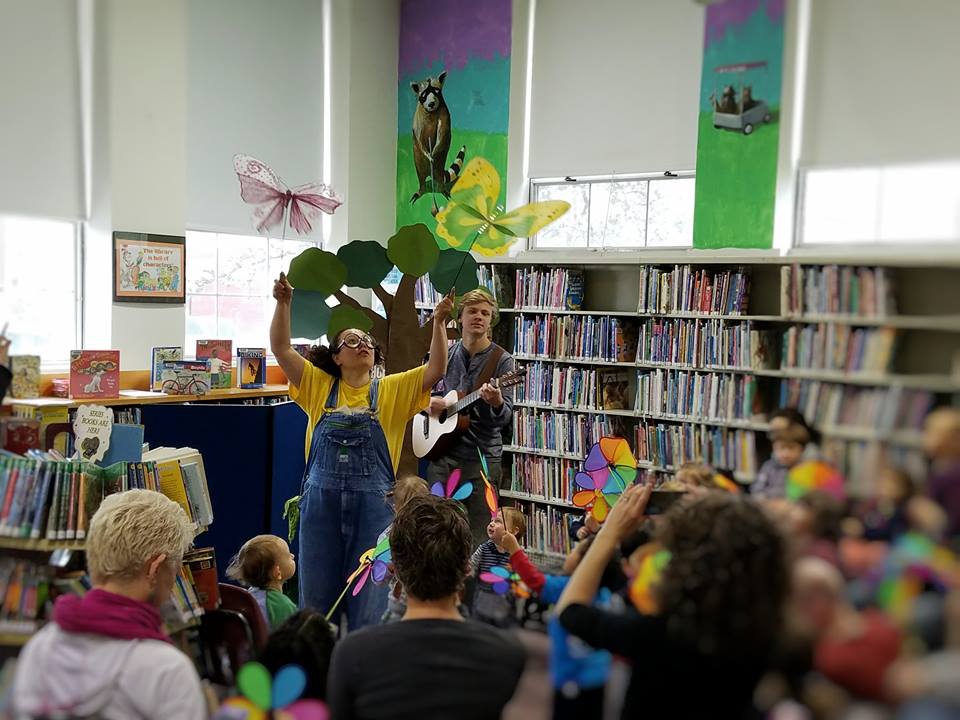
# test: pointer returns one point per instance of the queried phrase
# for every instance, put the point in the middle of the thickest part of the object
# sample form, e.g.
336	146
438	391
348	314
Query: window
637	212
38	287
230	283
903	204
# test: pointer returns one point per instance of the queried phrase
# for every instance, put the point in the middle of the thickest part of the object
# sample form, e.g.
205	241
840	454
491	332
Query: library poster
148	268
454	75
739	124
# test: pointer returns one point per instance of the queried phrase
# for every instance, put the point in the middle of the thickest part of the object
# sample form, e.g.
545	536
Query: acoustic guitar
434	435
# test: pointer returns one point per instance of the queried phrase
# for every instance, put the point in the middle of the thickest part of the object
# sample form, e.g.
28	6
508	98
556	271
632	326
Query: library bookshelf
700	348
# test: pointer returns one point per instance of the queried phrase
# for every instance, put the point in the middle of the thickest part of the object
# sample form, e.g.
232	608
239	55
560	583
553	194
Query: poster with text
739	127
148	268
453	99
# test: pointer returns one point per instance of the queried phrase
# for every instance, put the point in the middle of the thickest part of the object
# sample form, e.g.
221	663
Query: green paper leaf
344	316
366	261
413	250
309	314
447	273
317	270
254	682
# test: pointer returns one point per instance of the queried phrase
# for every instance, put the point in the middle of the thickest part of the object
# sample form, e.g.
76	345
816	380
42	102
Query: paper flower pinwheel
265	697
609	469
504	579
489	494
814	475
450	489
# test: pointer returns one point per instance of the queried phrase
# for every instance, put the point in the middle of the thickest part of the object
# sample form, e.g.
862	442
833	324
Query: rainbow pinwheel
504	579
652	563
814	475
914	564
450	490
609	469
265	697
488	492
374	563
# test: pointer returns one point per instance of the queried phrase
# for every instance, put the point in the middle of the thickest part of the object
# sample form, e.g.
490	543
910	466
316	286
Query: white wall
615	86
138	163
882	83
40	117
255	85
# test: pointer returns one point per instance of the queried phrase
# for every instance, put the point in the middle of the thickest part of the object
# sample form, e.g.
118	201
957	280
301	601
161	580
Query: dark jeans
477	511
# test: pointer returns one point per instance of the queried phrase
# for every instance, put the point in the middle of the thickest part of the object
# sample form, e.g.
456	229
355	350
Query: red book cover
19	434
94	374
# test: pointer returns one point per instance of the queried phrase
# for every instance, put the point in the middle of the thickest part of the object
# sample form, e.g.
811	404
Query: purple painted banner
721	16
464	29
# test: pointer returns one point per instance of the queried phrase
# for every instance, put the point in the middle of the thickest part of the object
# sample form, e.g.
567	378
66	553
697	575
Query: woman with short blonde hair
106	654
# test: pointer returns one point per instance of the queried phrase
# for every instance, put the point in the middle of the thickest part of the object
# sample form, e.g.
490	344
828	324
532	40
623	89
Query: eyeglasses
354	341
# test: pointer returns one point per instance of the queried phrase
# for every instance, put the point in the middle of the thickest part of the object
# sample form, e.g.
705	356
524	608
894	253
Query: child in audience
788	445
305	639
941	441
784	417
578	672
885	517
407	486
264	564
488	606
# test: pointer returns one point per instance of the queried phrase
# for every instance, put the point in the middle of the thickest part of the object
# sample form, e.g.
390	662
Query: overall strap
374	395
490	366
334	395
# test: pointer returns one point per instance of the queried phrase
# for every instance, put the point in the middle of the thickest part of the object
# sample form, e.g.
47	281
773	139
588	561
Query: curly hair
431	545
724	590
322	355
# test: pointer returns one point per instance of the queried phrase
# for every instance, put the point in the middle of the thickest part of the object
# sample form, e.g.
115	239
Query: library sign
92	427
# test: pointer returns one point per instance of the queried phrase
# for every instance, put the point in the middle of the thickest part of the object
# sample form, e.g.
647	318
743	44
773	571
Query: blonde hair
515	519
255	562
694	474
130	528
476	297
408	486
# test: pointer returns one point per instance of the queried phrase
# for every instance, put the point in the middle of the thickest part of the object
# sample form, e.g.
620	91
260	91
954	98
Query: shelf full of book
687	361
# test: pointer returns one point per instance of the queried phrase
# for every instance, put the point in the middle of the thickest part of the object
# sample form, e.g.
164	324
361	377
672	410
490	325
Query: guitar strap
490	367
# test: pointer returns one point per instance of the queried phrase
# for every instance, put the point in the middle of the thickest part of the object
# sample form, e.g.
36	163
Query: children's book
185	377
26	376
251	367
19	434
219	353
614	389
126	445
94	374
160	355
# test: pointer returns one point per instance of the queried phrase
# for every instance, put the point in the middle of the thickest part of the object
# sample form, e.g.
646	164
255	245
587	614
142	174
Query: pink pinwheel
375	563
260	186
451	490
609	469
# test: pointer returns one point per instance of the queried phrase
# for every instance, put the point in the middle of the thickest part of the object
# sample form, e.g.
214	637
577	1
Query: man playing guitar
472	358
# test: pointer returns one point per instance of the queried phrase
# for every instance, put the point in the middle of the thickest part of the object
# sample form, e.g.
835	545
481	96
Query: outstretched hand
628	512
282	290
509	543
444	308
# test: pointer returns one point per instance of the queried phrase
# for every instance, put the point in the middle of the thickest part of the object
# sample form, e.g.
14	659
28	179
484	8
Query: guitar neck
464	402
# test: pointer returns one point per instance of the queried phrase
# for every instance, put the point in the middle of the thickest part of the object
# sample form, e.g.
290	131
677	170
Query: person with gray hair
106	654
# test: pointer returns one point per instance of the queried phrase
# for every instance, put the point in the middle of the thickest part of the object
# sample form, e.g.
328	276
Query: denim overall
343	509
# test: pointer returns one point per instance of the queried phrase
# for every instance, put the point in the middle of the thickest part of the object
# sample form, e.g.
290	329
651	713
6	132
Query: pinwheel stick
345	588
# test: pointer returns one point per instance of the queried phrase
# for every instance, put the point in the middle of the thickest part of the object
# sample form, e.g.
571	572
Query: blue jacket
571	659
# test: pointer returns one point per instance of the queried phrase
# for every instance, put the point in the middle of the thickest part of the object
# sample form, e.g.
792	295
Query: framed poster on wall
149	268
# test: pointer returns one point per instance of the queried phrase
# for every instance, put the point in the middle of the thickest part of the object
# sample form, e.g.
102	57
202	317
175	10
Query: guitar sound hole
443	416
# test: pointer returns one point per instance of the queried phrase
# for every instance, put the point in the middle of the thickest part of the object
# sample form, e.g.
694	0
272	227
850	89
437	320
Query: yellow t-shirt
401	397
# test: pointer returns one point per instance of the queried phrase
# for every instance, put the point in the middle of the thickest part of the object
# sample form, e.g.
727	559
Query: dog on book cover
473	364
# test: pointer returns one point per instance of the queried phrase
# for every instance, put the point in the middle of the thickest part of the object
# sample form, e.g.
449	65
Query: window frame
589	180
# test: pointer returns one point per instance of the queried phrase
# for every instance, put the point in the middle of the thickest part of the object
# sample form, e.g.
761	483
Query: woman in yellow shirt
354	436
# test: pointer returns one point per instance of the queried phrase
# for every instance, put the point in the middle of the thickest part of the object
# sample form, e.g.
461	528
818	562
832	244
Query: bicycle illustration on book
184	384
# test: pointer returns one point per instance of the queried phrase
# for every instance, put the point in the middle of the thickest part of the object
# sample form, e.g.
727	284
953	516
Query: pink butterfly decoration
259	185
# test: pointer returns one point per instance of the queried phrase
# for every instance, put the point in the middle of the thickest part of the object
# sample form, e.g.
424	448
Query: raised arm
289	359
437	365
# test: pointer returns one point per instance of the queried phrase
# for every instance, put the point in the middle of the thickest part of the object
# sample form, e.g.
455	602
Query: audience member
305	639
788	445
264	564
941	441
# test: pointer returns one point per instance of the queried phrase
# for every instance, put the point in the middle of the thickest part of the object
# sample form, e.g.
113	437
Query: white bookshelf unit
862	350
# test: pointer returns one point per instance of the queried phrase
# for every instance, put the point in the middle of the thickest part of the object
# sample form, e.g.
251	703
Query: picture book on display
251	367
26	376
185	377
219	353
159	356
94	374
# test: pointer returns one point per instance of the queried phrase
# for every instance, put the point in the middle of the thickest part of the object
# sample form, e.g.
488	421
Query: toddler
488	606
264	564
788	446
407	486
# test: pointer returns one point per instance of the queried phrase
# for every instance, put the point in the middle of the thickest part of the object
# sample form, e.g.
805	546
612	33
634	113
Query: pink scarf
106	613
